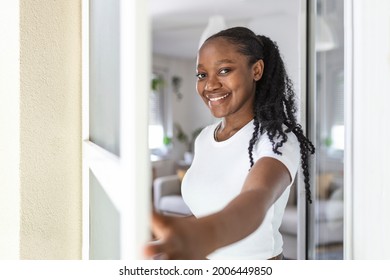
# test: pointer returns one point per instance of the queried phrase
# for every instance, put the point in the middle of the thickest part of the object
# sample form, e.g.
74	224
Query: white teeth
218	98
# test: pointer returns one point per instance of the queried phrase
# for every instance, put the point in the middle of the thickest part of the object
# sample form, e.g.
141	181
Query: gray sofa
328	209
167	197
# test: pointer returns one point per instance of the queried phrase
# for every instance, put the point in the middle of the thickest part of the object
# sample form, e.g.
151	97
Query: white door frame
303	96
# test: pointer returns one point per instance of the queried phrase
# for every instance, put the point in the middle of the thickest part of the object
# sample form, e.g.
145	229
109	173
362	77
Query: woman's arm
196	238
264	184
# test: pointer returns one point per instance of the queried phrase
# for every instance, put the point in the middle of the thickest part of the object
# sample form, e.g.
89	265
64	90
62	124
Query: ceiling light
216	23
324	37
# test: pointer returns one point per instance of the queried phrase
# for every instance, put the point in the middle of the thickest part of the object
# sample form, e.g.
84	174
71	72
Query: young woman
239	181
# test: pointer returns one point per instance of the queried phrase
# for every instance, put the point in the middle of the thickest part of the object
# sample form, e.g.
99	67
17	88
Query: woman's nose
212	84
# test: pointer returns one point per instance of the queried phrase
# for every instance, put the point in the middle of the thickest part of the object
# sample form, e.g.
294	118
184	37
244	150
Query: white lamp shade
216	23
324	38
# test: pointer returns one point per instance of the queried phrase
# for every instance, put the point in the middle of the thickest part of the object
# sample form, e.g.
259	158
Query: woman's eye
200	76
224	71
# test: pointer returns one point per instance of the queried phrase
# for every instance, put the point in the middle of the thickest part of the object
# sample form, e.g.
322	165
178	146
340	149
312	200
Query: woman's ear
258	69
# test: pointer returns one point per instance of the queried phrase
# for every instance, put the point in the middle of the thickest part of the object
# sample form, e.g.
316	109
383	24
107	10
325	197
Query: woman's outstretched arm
191	238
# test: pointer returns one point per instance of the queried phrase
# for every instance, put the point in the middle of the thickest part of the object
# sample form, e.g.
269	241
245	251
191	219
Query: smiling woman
237	213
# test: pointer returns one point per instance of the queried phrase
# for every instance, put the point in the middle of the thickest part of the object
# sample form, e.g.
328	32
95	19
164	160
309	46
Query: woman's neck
229	126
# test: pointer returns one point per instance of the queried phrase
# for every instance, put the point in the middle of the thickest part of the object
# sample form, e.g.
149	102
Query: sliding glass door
325	220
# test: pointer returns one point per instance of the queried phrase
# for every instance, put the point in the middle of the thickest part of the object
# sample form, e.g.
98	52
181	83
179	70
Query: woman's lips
217	98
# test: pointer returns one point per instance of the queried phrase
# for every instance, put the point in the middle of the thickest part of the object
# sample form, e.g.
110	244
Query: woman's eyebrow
226	60
219	62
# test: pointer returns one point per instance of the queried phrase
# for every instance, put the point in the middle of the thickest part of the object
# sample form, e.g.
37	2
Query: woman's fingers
159	225
158	249
155	250
175	238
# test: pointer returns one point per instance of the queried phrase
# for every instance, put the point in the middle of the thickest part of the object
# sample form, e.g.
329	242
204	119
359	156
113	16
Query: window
157	113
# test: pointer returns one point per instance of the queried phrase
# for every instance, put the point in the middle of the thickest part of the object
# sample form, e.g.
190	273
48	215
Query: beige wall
50	129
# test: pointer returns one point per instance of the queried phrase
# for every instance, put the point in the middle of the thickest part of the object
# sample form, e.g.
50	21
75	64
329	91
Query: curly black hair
274	107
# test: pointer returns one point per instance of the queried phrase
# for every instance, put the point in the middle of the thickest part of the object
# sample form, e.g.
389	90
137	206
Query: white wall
367	120
190	112
9	130
284	29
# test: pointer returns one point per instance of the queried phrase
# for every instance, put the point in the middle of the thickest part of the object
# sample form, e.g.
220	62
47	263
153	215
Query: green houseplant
182	137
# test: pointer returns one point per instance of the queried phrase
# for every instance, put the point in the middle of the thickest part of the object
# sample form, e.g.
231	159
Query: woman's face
226	82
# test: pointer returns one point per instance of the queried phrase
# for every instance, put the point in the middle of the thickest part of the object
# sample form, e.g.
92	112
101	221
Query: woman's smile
215	100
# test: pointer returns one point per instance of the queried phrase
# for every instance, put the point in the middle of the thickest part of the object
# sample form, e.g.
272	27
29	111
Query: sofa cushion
330	232
174	204
330	210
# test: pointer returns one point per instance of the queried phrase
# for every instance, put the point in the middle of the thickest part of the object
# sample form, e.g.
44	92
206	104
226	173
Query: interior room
177	112
99	112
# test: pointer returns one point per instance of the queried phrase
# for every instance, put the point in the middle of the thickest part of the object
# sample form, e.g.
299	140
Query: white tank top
217	175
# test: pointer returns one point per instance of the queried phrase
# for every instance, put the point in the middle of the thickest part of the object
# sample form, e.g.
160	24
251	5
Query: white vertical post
301	203
348	114
367	191
135	69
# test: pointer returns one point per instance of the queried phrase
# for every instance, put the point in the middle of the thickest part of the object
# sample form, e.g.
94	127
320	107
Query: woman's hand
179	238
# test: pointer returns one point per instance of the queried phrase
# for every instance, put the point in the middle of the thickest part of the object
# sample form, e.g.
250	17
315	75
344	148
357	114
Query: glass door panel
326	123
104	101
